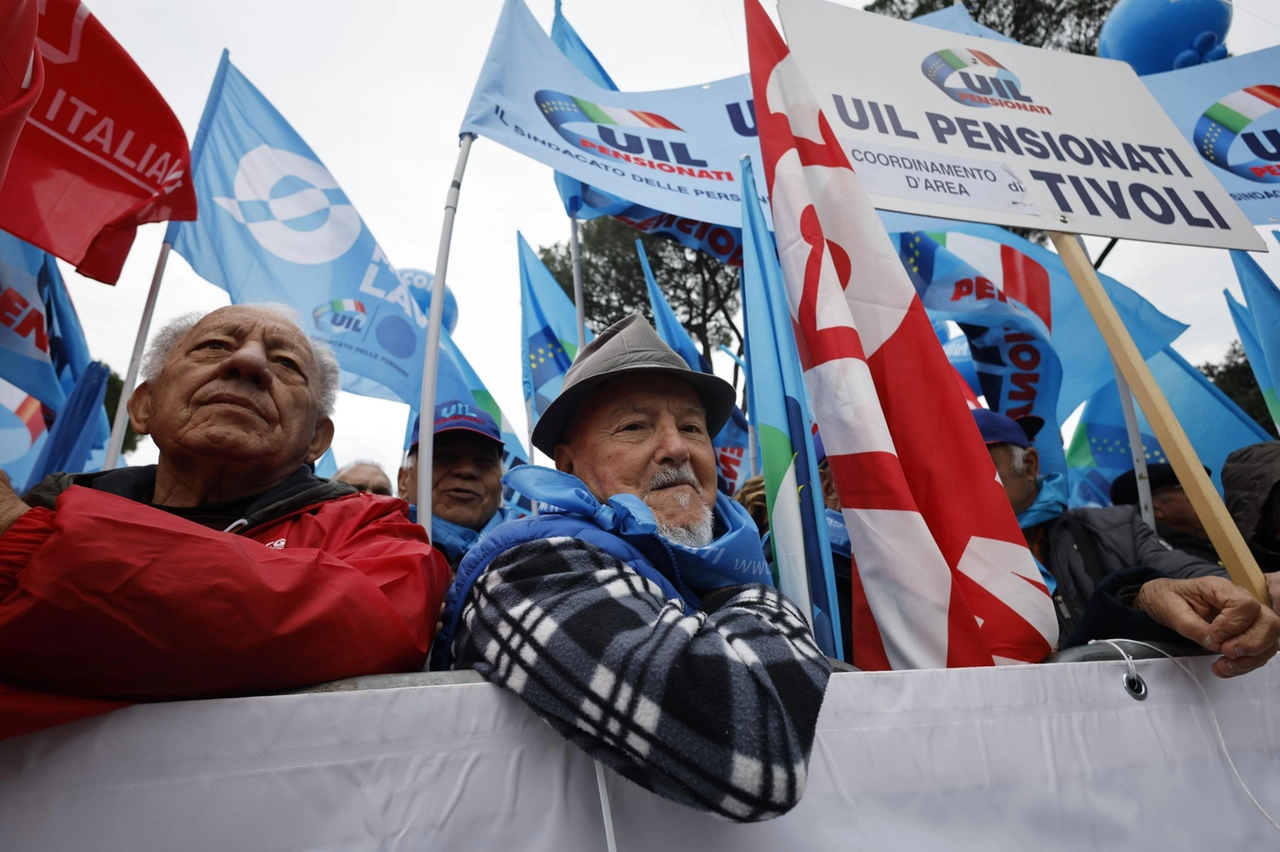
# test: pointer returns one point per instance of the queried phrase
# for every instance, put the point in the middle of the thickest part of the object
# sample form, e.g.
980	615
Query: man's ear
1031	463
139	408
321	440
402	485
564	458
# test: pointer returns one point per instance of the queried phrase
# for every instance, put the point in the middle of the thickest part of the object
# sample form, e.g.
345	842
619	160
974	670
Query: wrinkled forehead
242	324
639	393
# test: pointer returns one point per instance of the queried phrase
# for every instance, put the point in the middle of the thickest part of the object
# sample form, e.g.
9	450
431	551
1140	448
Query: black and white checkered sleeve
715	710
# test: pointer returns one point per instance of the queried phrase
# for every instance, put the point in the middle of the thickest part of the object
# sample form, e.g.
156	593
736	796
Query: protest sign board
944	124
675	150
1230	112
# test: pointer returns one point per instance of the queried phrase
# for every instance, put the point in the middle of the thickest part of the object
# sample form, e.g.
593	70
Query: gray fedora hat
628	346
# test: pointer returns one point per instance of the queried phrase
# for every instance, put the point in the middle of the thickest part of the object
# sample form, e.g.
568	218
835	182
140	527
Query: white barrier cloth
1007	758
1078	143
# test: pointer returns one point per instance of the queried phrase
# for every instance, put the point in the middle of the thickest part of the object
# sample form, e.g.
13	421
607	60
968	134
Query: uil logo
1241	133
975	79
292	206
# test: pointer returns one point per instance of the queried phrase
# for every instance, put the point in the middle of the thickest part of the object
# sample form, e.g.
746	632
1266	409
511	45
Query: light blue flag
23	433
1248	332
673	150
583	201
1229	111
419	283
784	426
731	442
30	358
1016	366
327	465
1037	279
1215	425
274	226
43	354
73	434
1263	299
549	335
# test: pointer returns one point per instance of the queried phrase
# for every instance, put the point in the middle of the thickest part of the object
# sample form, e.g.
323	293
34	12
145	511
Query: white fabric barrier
1018	757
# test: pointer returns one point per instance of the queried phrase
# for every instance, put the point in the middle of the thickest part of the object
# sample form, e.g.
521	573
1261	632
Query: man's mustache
669	476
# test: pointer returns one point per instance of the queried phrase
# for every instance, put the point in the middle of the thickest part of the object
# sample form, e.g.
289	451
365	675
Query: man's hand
1215	613
11	505
1273	588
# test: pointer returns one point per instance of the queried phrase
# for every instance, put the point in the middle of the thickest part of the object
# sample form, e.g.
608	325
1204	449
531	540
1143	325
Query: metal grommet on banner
1135	686
1133	682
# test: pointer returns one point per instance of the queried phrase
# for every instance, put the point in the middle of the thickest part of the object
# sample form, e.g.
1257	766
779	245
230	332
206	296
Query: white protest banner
1006	134
674	150
996	759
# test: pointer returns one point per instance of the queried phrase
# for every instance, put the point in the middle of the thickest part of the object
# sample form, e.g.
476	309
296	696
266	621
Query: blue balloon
419	284
1160	35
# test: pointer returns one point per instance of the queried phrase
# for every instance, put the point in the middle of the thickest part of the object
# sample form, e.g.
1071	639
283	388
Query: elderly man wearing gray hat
636	612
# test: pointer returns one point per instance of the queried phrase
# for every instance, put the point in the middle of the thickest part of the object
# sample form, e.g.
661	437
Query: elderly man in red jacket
225	569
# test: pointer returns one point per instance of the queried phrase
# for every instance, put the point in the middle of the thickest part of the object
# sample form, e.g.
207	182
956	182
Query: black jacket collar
301	489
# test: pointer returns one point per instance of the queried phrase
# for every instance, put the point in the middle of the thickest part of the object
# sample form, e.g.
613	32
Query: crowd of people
635	612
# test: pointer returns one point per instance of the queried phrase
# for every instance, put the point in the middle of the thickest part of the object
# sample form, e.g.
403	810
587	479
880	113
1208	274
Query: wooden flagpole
1218	524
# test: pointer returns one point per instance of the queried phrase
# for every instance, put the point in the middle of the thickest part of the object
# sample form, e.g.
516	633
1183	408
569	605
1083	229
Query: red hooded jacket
105	600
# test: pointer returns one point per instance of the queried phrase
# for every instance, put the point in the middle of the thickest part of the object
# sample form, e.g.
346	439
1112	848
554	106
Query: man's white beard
700	532
697	534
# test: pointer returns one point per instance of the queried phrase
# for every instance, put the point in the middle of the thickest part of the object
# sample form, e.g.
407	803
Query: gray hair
1017	459
161	347
360	463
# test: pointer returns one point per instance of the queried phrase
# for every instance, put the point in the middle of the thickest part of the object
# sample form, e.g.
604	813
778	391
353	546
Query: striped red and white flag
942	574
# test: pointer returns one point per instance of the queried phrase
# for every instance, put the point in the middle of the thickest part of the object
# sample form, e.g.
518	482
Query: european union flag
550	323
547	362
275	226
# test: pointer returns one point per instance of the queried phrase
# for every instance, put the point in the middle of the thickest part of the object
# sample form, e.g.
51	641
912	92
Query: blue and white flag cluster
275	226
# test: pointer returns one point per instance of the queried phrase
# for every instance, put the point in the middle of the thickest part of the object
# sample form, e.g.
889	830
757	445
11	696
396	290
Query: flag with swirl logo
938	581
275	226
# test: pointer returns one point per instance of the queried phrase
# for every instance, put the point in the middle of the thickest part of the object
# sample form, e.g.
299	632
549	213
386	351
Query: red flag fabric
942	574
21	73
101	152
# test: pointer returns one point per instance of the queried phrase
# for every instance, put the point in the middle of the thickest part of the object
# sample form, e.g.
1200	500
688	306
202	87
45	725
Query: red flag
21	73
942	574
101	152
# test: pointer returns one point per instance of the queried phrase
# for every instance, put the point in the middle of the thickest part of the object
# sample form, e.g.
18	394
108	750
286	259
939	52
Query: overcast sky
378	89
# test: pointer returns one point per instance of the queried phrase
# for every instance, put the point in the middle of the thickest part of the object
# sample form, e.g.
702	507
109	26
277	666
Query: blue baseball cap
458	416
997	428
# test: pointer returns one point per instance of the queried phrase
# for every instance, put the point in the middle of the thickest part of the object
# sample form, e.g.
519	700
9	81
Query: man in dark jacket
1113	576
636	613
225	569
1251	485
1177	523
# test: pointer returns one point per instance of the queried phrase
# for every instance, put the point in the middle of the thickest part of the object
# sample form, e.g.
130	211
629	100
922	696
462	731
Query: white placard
1082	136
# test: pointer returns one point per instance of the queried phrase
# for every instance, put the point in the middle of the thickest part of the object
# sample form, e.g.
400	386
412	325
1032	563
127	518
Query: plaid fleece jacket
715	710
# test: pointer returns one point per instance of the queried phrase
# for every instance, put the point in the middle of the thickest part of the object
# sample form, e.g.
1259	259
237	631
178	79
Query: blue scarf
733	559
1051	502
454	541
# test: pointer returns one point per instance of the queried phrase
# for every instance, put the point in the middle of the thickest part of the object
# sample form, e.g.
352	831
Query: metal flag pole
528	410
121	421
1135	447
575	253
431	358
